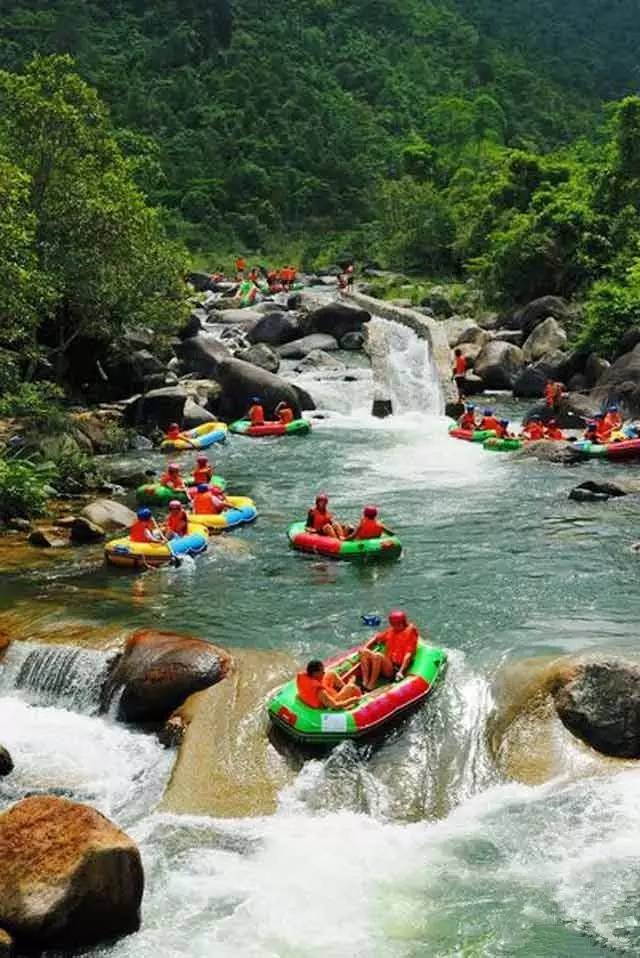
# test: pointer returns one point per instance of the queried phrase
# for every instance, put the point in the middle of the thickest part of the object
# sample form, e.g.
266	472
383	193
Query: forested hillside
287	116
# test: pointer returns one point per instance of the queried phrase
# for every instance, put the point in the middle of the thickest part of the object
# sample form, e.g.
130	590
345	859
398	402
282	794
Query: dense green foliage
24	488
445	136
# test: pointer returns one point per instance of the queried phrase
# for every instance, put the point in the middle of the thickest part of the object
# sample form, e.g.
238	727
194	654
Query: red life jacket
204	504
202	475
317	520
369	529
468	421
459	366
399	643
256	415
286	415
308	690
139	529
177	522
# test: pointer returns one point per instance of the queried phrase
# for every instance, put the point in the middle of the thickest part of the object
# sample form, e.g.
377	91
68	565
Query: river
459	835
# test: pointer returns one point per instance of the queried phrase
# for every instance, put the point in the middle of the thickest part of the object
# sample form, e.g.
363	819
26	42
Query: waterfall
404	370
61	675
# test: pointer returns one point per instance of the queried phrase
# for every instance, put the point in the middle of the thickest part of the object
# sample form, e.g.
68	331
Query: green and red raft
386	547
376	710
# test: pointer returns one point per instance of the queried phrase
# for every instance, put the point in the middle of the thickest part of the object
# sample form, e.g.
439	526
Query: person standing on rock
459	372
241	265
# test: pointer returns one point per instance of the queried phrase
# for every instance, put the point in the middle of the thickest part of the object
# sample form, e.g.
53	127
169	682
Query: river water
445	840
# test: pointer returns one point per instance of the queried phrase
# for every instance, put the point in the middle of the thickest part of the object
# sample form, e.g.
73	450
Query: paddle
174	561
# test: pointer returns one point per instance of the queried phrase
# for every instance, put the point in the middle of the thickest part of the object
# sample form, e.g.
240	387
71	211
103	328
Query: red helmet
370	512
202	458
173	467
174	504
398	618
322	497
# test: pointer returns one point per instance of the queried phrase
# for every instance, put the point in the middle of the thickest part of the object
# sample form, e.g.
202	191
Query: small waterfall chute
61	675
404	370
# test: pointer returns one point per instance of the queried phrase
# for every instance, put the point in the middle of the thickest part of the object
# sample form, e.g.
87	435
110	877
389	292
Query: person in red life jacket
553	431
613	419
321	521
174	433
468	418
502	432
255	415
254	274
325	690
209	501
399	643
459	375
603	430
489	421
203	471
177	521
240	267
144	529
172	478
591	431
285	413
533	430
369	527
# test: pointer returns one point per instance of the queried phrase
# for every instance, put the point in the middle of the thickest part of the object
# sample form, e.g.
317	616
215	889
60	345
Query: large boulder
200	281
530	382
534	313
545	338
6	762
473	335
628	341
159	670
599	702
570	412
602	489
498	364
352	341
274	329
261	355
69	877
336	319
509	336
6	944
300	348
438	301
455	326
239	381
543	450
109	515
158	407
318	359
195	415
595	368
621	382
84	532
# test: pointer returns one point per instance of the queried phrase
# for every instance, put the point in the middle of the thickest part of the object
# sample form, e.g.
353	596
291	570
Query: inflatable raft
624	449
155	494
502	445
299	427
201	438
373	712
479	435
244	511
142	555
386	547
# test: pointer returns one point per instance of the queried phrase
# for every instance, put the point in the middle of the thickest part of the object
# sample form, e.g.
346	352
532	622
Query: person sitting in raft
489	421
172	478
285	413
174	433
177	521
533	430
399	642
468	418
321	521
553	431
459	372
502	432
591	432
325	690
255	415
369	527
603	430
144	529
613	419
209	501
203	470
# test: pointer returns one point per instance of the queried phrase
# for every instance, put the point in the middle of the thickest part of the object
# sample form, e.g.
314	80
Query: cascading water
65	676
403	368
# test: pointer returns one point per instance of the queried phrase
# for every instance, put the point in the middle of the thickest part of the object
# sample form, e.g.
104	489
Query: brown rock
159	670
48	538
6	944
84	531
109	515
69	877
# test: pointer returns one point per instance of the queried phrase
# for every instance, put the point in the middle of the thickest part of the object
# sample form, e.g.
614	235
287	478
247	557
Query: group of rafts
605	436
351	696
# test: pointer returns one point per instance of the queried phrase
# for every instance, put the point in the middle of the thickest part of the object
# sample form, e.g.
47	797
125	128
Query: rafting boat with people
469	435
373	712
297	427
243	512
201	437
619	449
385	547
157	494
126	554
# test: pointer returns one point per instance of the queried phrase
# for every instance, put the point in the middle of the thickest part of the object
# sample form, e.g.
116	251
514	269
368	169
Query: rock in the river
200	281
498	364
352	341
548	451
261	355
69	877
48	538
535	312
621	382
628	341
130	475
300	348
274	329
6	762
335	319
473	335
109	515
571	412
455	326
438	301
318	359
513	336
6	944
158	407
546	337
530	382
83	531
594	370
159	670
599	702
599	490
195	415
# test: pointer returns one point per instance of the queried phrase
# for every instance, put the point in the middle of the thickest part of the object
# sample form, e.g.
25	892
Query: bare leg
365	666
374	673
